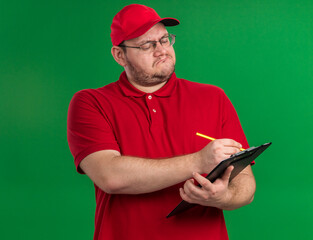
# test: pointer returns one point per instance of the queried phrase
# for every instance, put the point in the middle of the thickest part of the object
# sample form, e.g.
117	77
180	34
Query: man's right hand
215	152
118	174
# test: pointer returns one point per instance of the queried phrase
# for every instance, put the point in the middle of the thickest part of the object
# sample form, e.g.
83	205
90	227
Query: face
149	68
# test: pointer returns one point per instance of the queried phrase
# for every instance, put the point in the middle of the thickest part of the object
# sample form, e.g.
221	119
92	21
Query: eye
164	40
146	46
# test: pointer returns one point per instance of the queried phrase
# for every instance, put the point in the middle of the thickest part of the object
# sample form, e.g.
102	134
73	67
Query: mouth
162	60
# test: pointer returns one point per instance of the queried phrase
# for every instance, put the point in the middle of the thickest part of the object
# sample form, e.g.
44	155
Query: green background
259	52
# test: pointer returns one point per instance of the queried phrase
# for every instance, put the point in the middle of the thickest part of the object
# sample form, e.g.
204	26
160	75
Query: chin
166	70
164	75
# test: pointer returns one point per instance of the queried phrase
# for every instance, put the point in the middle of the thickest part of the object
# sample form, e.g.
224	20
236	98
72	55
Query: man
135	139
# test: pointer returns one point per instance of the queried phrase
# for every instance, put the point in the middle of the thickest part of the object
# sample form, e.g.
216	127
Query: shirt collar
129	90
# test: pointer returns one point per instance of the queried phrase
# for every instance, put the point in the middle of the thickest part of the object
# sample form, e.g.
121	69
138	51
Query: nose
159	49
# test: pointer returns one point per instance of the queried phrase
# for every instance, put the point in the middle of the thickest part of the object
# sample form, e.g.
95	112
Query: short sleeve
231	127
88	127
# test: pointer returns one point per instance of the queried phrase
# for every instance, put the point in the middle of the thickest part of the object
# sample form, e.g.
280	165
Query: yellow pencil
212	139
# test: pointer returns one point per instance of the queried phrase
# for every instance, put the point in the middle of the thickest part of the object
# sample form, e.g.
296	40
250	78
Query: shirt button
154	110
149	97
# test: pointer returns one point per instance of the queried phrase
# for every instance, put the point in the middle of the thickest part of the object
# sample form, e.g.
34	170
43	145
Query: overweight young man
136	140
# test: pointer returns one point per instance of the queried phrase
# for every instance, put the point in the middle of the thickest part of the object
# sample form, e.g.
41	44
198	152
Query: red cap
134	20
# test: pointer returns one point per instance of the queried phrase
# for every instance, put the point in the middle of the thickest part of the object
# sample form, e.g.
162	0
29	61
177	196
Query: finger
231	143
188	185
192	191
204	182
184	196
231	150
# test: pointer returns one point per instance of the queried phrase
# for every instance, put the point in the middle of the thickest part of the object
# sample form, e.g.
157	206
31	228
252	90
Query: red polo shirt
152	125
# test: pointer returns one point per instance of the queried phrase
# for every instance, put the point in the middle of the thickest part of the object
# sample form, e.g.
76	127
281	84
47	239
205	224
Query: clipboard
239	160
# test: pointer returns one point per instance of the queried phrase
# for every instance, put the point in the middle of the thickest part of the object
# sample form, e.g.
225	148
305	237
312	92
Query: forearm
240	191
118	174
133	175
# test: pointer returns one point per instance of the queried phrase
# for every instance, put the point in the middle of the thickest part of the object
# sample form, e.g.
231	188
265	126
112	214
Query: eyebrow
145	41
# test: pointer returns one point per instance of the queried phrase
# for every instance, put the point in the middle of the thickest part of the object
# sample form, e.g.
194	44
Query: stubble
145	79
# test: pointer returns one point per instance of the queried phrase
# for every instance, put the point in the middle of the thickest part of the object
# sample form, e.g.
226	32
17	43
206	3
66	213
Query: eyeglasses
165	42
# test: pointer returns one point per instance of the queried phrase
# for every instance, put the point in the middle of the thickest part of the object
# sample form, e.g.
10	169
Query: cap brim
169	22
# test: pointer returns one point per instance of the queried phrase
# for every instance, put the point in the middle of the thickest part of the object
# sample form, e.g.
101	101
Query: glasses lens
165	41
171	39
146	46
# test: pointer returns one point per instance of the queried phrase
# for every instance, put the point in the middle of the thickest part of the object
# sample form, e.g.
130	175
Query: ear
118	55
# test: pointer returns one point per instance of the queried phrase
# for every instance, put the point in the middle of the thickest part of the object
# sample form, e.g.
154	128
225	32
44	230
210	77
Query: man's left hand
214	194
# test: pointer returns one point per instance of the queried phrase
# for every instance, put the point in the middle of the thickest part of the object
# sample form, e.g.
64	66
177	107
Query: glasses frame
154	43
